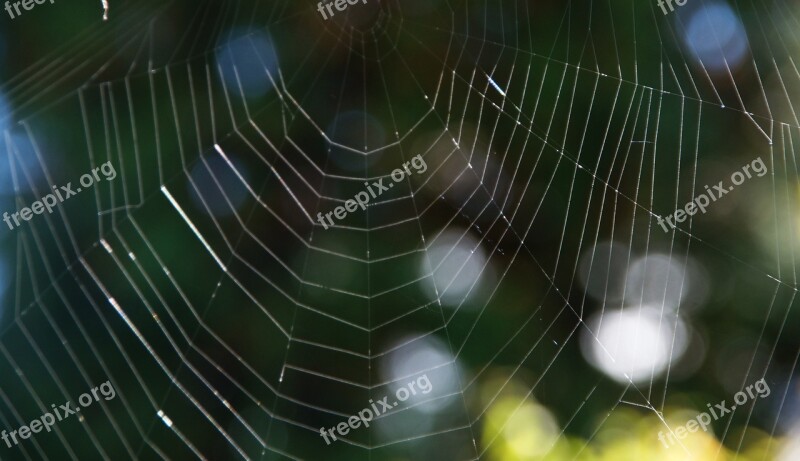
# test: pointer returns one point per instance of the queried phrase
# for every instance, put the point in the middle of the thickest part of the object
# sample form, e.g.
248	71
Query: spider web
234	326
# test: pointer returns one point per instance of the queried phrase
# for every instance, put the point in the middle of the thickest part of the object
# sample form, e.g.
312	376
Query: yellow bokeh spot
518	428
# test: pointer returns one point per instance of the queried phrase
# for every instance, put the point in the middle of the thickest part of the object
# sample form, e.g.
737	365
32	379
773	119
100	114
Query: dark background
299	330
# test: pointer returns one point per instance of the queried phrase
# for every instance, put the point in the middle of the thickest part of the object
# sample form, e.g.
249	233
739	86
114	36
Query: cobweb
233	325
